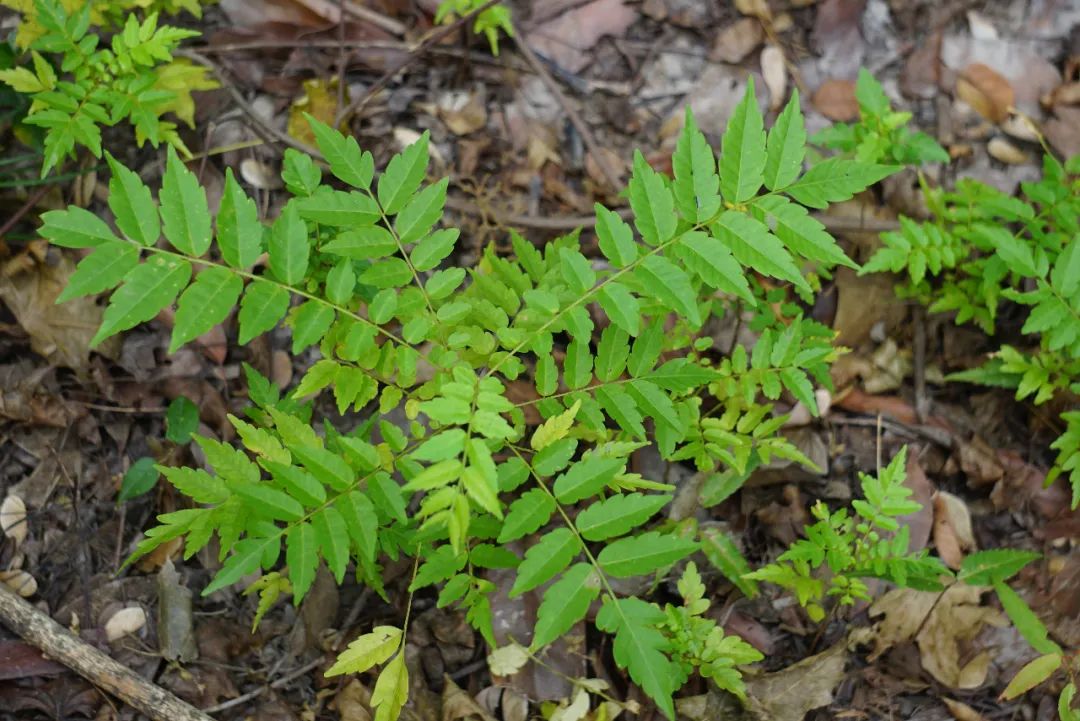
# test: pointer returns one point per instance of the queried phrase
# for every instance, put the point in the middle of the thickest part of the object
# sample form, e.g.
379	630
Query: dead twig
579	123
416	53
60	645
244	698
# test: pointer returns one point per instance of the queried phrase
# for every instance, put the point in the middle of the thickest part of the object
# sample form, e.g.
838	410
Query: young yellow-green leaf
648	552
103	269
1024	619
1032	675
565	603
697	186
260	441
621	306
264	304
301	553
836	179
586	477
651	200
367	650
147	289
421	212
618	514
551	554
196	484
615	237
435	476
742	150
801	233
132	204
185	214
714	264
554	428
786	147
431	251
346	160
753	245
363	243
1065	702
289	248
669	284
239	232
75	227
333	539
361	522
21	80
204	304
403	176
528	513
270	588
391	690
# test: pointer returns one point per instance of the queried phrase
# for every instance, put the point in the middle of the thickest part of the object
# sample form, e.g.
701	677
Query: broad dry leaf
835	99
775	74
464	113
790	694
961	711
13	518
576	710
507	660
754	8
352	702
456	704
987	91
320	101
124	622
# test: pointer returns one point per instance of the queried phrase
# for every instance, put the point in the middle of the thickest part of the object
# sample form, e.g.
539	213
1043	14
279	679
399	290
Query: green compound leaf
239	232
742	150
526	515
836	179
670	285
347	161
986	568
639	648
753	245
714	264
548	556
301	553
638	555
204	304
367	650
801	233
132	204
264	305
786	147
586	477
621	306
403	176
697	186
565	603
184	210
615	237
289	248
652	202
148	288
618	514
333	539
75	228
101	270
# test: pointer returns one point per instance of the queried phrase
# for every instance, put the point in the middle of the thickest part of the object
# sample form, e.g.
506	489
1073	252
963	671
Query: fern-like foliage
134	79
984	248
881	134
867	542
489	22
615	348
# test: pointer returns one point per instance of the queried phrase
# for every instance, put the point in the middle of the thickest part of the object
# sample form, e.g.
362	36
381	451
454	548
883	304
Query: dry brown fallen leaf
456	704
754	8
567	38
790	694
1002	150
961	711
835	99
986	90
736	41
13	519
942	621
463	113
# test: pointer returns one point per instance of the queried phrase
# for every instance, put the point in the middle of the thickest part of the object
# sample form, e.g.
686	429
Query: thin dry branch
58	644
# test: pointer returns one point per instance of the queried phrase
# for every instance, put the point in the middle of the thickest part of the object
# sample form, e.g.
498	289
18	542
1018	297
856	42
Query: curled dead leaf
987	91
737	40
775	74
20	582
124	622
13	518
788	695
1002	150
